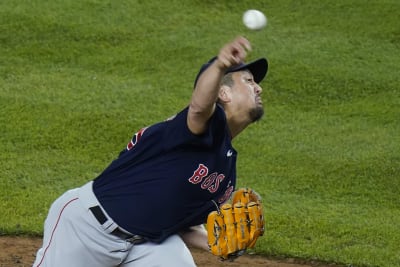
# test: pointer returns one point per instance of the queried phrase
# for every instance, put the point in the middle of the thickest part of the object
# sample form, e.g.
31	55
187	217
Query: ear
225	94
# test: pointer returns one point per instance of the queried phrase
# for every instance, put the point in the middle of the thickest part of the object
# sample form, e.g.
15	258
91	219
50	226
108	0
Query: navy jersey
167	179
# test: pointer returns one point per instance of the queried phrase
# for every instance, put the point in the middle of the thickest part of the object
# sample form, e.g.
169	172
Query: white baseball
254	19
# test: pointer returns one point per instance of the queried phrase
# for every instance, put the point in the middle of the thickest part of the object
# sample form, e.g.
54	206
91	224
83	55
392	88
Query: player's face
247	95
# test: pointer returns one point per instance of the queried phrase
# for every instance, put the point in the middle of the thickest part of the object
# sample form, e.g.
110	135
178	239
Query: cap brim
258	68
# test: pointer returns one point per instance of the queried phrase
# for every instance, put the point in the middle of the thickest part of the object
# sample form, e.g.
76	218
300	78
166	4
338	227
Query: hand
233	53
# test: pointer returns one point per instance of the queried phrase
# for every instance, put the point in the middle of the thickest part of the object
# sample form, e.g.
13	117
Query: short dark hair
227	79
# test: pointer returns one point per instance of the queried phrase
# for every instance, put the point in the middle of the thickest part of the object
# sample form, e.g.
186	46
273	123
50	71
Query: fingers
243	42
233	53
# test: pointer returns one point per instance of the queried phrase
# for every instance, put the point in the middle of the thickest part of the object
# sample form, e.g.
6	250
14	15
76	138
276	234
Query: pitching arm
205	95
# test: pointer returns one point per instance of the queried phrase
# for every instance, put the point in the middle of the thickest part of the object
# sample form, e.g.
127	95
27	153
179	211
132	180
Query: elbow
198	117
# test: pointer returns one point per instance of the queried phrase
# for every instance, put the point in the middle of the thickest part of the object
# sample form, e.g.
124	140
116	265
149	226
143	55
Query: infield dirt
19	251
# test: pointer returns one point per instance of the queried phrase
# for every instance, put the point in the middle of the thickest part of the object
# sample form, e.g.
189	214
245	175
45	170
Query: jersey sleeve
178	133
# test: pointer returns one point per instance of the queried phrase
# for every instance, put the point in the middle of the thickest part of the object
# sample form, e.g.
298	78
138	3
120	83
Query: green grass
77	79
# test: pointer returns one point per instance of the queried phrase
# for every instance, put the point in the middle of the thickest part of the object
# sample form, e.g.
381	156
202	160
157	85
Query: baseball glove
235	227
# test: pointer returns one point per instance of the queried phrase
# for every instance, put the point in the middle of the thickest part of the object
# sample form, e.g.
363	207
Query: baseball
254	19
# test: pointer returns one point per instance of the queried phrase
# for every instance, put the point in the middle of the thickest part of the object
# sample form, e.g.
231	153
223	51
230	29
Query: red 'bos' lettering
199	174
209	180
226	196
214	187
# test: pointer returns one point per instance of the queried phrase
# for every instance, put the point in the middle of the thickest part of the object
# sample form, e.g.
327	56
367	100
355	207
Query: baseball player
149	205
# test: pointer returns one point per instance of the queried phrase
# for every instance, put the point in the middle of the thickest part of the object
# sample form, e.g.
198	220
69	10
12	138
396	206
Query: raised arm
205	94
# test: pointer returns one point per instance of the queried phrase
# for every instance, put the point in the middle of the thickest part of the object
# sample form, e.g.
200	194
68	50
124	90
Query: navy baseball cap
258	68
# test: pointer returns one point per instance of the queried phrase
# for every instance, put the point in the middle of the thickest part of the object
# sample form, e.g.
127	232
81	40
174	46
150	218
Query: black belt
102	218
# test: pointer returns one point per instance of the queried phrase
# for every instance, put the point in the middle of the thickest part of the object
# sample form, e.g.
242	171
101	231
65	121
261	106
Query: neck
236	124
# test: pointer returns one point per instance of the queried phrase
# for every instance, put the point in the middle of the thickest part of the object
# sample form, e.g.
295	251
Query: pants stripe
54	229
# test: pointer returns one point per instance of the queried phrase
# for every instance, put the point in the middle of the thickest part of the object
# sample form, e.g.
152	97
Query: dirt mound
17	251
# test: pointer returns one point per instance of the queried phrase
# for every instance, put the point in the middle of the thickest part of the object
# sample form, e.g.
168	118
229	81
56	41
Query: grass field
78	78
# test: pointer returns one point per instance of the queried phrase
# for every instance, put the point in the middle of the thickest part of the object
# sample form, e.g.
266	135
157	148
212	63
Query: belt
102	218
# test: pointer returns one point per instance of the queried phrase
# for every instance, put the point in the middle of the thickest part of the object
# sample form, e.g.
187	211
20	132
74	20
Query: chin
257	113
